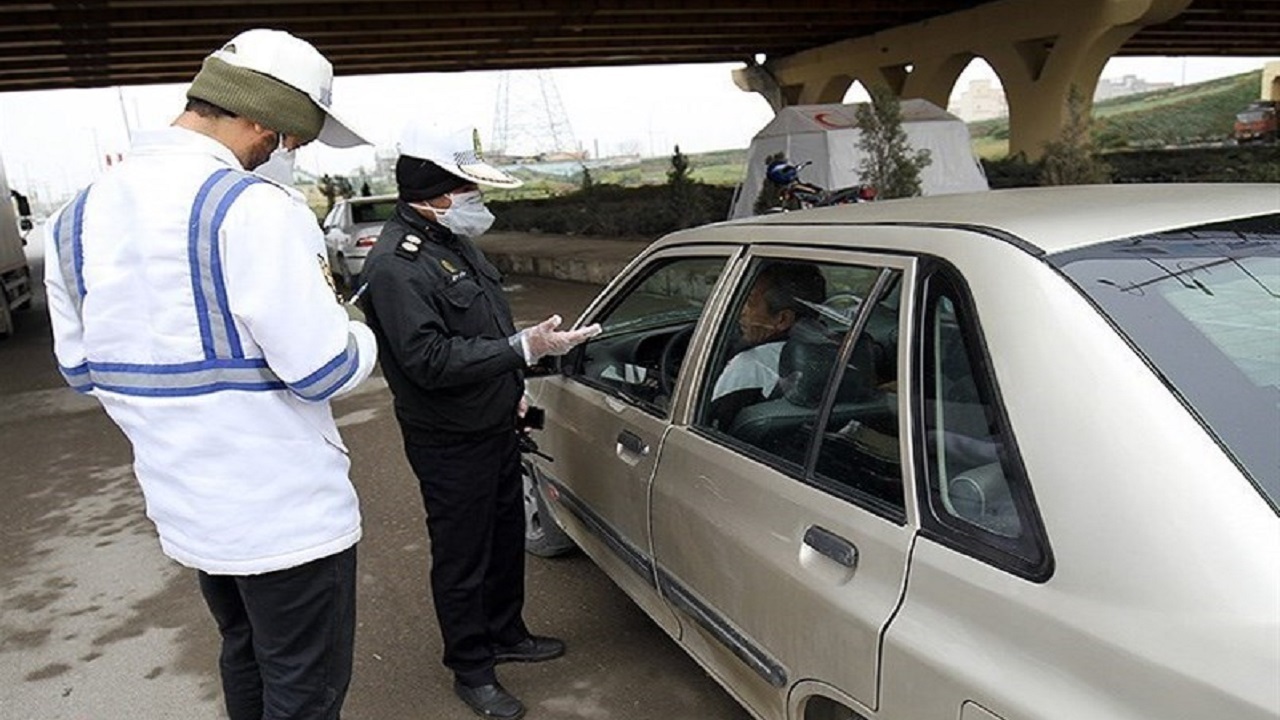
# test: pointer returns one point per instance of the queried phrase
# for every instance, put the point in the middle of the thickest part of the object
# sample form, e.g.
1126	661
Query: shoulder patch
409	247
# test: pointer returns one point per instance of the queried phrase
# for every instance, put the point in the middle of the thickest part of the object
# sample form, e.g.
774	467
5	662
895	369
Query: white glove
543	339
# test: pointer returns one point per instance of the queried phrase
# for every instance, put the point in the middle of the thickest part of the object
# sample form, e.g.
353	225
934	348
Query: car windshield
1203	305
372	212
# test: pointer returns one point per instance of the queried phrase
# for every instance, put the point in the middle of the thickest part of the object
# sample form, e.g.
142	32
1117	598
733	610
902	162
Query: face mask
467	216
279	167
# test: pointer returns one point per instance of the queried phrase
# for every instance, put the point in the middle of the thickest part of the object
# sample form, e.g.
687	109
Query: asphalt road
95	624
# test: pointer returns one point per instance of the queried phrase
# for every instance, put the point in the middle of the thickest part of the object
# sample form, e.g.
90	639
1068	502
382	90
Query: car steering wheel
672	357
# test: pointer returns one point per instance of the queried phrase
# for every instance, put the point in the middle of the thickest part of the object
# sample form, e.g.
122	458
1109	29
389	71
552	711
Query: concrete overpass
814	49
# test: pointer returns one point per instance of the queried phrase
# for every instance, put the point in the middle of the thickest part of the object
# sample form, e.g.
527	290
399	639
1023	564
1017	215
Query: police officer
454	362
190	296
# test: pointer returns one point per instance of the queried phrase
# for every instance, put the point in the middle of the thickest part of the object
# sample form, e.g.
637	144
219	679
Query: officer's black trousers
475	517
287	638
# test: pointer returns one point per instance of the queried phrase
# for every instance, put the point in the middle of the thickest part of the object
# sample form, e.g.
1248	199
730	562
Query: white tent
827	136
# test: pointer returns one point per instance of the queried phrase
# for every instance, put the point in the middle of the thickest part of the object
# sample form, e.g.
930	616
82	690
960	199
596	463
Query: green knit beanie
259	98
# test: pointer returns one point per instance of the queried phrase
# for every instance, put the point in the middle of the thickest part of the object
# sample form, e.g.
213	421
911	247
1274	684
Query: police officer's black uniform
444	328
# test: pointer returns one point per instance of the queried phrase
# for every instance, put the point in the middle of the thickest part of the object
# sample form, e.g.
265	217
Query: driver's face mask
467	216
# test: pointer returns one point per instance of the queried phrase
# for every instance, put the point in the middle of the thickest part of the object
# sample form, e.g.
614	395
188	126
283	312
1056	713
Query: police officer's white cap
456	150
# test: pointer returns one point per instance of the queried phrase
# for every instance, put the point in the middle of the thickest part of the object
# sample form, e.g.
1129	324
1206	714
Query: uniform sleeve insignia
448	267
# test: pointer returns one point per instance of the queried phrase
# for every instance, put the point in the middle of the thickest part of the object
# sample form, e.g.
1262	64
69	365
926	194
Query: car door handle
830	545
632	443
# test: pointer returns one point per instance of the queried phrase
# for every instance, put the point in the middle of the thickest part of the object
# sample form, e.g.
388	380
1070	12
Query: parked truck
15	274
1257	123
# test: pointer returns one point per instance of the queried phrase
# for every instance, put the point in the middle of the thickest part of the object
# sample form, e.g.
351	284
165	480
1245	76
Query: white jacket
190	297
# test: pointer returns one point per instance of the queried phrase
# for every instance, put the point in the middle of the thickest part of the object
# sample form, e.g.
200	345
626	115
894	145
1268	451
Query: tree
329	189
889	164
1071	160
683	201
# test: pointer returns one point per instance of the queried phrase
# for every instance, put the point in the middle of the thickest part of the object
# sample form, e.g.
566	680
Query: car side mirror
547	365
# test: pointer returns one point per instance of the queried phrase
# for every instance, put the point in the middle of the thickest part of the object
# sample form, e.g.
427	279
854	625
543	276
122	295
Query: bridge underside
814	48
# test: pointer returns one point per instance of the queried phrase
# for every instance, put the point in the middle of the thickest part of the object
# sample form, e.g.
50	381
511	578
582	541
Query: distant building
982	101
1128	85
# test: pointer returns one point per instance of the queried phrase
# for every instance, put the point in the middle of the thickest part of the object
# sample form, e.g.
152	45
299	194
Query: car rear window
371	212
1203	305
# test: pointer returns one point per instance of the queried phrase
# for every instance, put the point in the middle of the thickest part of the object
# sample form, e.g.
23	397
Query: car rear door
781	536
608	413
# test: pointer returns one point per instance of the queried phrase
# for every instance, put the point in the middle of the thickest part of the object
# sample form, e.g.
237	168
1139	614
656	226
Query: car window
785	362
860	453
372	212
1203	306
332	218
646	330
978	495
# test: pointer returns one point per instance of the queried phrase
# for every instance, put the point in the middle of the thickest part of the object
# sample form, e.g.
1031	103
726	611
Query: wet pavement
96	624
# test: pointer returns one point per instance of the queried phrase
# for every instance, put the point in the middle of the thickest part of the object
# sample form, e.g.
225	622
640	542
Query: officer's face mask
467	216
279	166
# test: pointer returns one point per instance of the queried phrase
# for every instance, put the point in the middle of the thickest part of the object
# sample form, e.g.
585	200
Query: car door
608	412
781	528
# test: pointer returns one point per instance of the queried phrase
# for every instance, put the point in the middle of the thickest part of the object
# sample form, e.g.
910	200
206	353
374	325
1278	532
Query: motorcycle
799	195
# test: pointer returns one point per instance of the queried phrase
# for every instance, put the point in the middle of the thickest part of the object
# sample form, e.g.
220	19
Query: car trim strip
748	652
714	623
637	560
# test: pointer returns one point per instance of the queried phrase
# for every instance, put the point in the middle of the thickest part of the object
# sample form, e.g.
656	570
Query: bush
615	211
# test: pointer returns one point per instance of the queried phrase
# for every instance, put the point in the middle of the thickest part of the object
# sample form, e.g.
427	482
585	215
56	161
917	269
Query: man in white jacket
190	296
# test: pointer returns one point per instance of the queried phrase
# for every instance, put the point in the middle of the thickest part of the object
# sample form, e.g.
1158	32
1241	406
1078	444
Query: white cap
455	150
296	63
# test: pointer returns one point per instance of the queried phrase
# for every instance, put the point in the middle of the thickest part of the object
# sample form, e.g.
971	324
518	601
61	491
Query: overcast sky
53	142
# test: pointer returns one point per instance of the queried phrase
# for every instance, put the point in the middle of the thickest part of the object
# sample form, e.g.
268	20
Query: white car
350	230
1014	455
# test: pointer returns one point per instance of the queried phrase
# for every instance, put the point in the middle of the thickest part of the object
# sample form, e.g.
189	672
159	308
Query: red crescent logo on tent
821	119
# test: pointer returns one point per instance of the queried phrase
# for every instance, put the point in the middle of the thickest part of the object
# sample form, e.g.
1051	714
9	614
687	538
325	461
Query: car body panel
1161	593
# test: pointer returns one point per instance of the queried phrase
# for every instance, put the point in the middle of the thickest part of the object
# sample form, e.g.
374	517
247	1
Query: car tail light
367	238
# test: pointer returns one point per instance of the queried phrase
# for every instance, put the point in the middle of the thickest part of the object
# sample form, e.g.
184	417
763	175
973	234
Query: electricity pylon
529	121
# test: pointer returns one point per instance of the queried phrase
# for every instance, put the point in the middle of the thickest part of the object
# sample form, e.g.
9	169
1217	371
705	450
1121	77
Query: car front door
609	410
781	529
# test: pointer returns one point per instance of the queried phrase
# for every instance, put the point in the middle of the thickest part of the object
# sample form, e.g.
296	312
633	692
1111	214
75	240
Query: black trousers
475	517
287	638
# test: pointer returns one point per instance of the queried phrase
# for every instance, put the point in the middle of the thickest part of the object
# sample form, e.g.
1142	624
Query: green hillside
1188	115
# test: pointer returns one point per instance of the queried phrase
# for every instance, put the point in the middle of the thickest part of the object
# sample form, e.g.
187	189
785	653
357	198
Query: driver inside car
776	301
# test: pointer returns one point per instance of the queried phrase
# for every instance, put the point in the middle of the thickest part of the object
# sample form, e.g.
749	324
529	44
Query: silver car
1013	455
350	230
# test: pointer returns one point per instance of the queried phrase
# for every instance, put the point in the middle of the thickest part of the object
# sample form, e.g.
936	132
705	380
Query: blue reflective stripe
224	366
180	379
192	390
218	334
324	382
67	237
76	377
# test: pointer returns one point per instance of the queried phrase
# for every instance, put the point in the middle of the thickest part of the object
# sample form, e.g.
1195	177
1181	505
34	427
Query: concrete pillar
1039	49
1270	82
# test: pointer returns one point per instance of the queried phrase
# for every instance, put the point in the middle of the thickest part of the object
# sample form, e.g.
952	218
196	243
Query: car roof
1044	220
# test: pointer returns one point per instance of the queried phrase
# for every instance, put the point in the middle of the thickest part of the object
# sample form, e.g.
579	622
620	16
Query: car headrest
804	364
